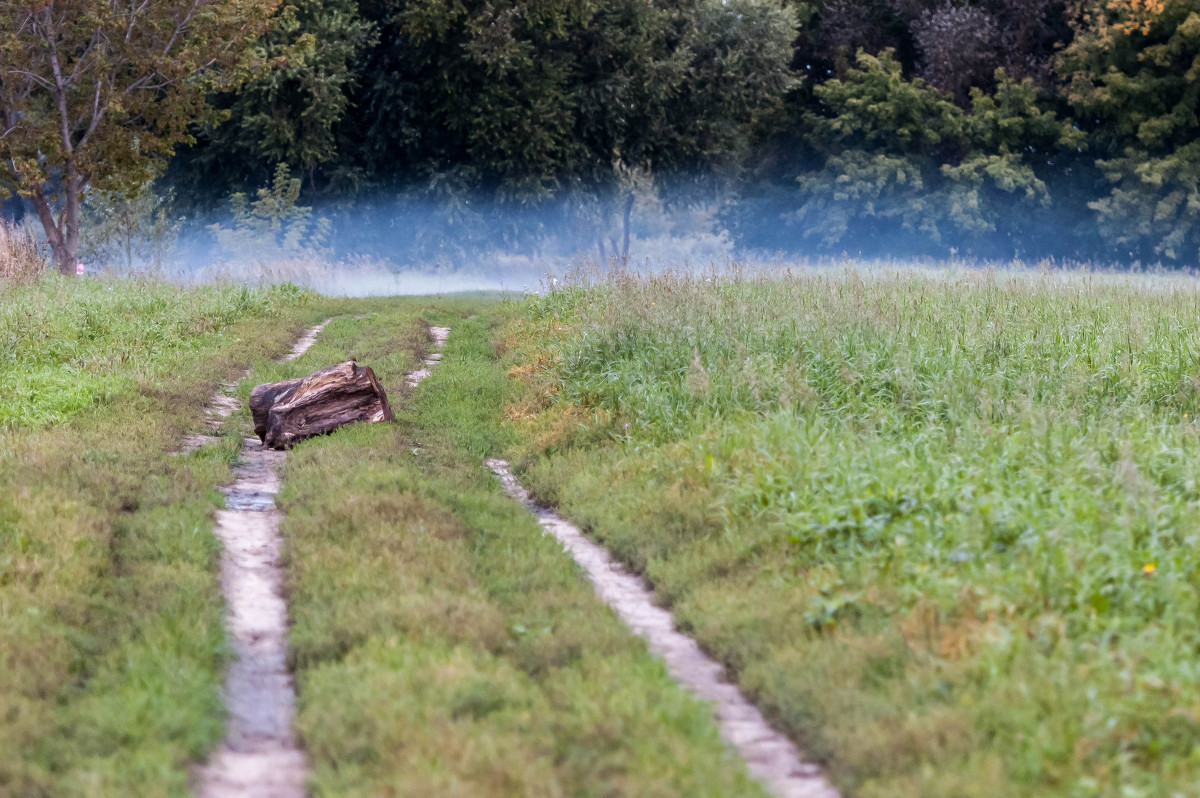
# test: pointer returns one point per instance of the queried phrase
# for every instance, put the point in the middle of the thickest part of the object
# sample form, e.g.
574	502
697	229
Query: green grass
111	638
941	528
69	345
944	529
442	645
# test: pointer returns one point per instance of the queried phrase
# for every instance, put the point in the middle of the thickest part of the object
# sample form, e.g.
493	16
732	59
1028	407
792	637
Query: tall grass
22	257
944	527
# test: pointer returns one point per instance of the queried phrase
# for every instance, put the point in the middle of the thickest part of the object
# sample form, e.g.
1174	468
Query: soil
260	757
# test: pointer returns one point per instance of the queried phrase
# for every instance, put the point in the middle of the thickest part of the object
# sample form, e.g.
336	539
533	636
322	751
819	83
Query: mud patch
259	757
770	756
306	341
219	409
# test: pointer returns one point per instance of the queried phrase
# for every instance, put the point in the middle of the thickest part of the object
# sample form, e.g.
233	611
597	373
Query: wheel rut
770	756
440	334
260	757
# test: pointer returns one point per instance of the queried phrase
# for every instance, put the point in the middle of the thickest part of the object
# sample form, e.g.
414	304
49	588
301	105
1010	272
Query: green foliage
884	136
900	156
1005	136
1132	72
519	101
272	226
987	127
571	88
290	113
96	93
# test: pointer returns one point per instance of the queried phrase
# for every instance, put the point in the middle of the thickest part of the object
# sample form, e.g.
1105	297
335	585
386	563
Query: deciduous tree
99	92
1133	75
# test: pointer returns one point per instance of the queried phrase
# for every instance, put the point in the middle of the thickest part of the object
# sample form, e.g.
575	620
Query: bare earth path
259	758
770	757
440	334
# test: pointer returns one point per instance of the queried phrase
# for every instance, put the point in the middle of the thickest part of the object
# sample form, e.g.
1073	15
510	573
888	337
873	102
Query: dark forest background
992	129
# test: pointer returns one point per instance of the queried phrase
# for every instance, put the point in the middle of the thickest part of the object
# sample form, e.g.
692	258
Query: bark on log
289	411
264	397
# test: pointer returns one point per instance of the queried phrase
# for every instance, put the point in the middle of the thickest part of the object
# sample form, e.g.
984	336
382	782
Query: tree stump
290	411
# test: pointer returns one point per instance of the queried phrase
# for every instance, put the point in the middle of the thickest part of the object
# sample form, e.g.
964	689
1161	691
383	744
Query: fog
401	245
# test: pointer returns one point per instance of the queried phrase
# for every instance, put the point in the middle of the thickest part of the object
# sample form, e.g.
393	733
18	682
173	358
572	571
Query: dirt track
770	756
259	757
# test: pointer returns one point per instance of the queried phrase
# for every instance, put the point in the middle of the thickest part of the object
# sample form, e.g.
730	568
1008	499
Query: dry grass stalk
22	256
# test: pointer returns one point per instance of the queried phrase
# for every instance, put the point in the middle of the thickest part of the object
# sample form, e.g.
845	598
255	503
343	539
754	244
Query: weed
22	257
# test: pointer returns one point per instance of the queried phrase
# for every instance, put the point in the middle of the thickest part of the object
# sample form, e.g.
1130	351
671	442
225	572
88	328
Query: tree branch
180	26
32	76
60	93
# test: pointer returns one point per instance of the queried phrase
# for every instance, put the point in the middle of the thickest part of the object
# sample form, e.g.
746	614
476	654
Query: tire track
440	334
260	757
770	756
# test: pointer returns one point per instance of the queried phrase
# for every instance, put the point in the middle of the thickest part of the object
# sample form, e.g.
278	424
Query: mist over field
379	246
482	137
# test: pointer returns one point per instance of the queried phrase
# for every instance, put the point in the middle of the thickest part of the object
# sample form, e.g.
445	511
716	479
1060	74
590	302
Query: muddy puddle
770	756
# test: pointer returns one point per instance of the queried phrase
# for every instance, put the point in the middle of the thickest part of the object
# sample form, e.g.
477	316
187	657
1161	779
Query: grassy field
111	640
441	644
943	528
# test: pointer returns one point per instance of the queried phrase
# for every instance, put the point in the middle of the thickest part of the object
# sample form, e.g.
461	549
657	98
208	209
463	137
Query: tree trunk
627	218
62	234
54	237
264	397
290	411
71	221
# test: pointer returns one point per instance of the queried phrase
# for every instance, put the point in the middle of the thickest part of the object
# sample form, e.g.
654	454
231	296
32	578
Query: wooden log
290	411
264	397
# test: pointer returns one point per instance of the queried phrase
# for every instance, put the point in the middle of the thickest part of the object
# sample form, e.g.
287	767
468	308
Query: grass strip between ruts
442	644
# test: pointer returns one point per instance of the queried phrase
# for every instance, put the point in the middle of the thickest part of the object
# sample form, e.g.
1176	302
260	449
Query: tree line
993	128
